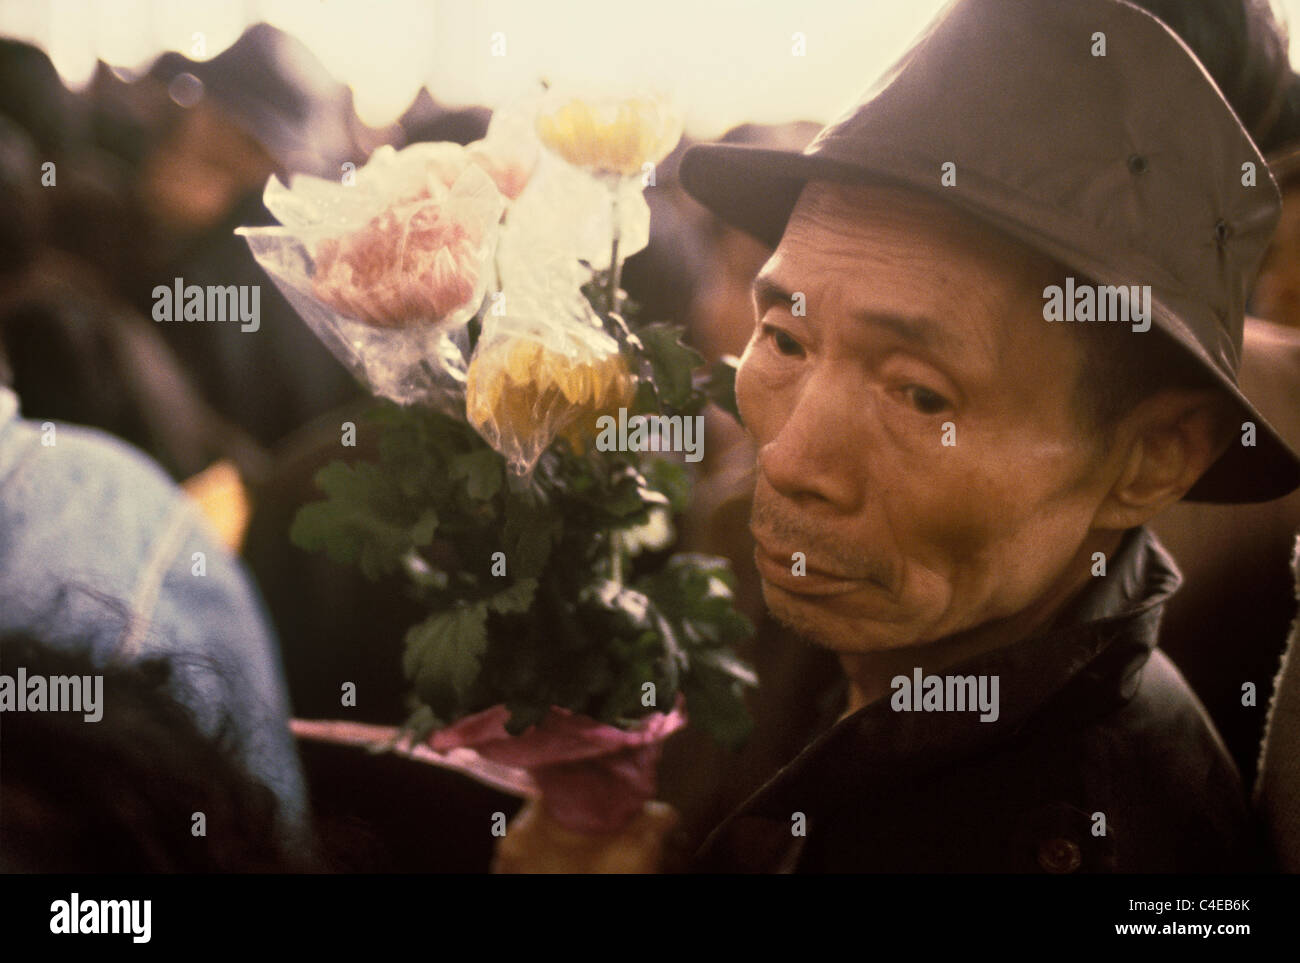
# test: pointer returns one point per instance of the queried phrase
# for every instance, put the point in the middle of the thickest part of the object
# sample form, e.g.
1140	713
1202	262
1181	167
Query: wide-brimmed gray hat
1086	130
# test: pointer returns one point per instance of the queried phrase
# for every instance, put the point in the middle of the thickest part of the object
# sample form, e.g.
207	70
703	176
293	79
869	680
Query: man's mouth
779	569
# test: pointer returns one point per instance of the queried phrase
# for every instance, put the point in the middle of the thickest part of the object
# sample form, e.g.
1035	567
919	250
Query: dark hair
119	794
1245	49
24	225
1122	368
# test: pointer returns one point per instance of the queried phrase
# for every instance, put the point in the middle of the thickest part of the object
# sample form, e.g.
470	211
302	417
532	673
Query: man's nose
816	455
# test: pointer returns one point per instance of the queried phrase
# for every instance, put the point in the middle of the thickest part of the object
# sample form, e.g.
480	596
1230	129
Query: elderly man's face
882	317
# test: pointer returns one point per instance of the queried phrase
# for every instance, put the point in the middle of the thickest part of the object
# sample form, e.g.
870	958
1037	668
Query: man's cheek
954	516
997	547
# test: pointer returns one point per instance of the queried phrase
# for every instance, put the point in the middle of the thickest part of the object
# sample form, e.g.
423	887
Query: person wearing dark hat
1000	334
261	106
1277	296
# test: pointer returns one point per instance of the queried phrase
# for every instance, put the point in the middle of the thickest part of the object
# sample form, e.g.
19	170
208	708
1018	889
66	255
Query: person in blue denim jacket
99	548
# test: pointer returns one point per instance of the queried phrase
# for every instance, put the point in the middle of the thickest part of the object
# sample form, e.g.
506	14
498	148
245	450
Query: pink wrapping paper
593	778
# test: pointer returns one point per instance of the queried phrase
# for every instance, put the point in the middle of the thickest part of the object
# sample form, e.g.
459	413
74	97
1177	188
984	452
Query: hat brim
755	189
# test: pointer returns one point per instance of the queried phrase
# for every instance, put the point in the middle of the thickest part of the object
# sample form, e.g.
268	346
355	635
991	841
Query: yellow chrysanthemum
611	135
521	394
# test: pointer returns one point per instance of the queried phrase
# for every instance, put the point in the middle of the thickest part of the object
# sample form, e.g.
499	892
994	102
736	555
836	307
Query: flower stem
615	264
616	557
496	257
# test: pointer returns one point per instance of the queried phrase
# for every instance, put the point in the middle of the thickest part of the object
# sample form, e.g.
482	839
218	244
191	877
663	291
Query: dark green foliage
561	626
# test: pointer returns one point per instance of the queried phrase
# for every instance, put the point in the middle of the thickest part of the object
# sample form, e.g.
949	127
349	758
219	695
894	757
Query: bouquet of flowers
476	290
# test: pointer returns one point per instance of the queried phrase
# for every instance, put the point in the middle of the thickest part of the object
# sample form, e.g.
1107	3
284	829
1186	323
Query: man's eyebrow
915	329
767	292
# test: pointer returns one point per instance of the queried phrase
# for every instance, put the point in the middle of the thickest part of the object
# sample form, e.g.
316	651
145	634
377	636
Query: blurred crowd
134	182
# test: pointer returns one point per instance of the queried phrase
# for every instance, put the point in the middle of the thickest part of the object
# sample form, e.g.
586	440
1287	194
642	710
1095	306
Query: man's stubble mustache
822	553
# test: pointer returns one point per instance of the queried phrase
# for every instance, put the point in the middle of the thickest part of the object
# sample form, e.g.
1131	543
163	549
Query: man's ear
1163	447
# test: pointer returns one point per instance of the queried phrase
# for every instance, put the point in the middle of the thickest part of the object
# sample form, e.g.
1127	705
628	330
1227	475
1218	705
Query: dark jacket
1101	759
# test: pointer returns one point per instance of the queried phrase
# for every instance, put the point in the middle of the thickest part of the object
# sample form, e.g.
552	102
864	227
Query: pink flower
509	151
511	174
594	778
405	265
425	256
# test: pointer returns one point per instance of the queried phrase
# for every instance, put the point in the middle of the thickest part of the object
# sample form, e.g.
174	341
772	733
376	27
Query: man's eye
784	343
924	400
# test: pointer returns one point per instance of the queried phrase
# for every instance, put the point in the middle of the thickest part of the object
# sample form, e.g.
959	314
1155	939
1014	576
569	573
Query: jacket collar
1086	660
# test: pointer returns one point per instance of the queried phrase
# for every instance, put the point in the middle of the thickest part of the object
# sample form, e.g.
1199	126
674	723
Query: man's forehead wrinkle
865	244
940	312
916	329
988	301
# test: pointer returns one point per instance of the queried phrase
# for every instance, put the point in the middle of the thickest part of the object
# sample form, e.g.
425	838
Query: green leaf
623	607
670	478
727	663
515	600
523	715
695	594
423	530
627	497
645	401
716	705
482	471
422	724
361	522
314	528
527	536
442	657
673	362
721	386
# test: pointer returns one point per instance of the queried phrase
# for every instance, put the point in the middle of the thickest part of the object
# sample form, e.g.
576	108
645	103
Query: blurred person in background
100	552
1276	794
216	131
120	794
69	341
428	121
1277	295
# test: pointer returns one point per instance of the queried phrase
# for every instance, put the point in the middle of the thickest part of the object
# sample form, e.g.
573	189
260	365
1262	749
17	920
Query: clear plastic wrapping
386	269
542	370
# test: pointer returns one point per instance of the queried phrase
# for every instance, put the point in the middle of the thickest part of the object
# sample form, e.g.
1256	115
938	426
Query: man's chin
829	630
